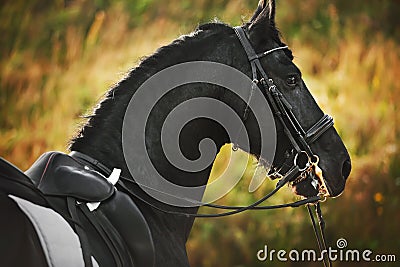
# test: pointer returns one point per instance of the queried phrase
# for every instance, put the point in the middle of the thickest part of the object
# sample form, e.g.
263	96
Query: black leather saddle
115	233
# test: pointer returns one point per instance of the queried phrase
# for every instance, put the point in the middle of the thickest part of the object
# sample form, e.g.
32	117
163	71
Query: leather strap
319	128
299	138
90	160
87	257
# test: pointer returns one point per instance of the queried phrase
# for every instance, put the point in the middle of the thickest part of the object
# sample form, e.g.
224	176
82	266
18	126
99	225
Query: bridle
305	163
298	137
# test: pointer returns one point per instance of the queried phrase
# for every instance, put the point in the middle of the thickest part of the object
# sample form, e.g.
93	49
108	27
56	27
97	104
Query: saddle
111	228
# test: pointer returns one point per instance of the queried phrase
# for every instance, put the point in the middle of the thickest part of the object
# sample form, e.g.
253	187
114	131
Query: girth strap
87	255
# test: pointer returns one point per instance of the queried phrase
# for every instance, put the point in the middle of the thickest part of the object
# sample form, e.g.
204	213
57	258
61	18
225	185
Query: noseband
282	110
305	162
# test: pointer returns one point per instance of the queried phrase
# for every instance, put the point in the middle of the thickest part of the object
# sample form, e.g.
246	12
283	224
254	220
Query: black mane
115	100
101	135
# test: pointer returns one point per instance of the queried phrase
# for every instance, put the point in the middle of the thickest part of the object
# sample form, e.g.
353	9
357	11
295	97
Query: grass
351	72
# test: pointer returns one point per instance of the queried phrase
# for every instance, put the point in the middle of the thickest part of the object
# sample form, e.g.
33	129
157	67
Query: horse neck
102	141
105	145
101	137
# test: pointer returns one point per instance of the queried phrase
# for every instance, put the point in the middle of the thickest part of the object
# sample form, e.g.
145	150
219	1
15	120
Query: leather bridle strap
319	128
281	108
123	181
300	139
321	240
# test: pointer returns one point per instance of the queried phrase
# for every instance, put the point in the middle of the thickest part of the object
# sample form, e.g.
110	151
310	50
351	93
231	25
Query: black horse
99	142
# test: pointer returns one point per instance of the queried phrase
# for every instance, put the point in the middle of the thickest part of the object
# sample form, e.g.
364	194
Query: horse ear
265	12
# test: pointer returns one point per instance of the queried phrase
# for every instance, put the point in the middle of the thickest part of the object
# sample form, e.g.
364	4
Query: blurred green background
59	57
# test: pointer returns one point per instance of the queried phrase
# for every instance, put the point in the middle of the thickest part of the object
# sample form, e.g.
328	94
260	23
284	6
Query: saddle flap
58	174
122	212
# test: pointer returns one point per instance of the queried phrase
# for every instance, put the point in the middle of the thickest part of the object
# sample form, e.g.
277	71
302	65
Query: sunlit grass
353	78
45	111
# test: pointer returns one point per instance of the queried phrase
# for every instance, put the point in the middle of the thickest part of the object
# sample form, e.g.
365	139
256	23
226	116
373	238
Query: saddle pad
59	242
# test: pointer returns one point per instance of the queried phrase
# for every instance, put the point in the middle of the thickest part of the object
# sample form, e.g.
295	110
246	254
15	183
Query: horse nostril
346	168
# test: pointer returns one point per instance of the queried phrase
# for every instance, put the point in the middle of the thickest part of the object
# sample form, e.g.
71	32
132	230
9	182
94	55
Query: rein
96	165
305	163
321	240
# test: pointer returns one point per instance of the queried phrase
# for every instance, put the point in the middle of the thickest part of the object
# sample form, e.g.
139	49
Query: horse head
327	148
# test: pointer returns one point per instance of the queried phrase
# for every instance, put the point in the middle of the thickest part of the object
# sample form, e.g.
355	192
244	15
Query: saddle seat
115	233
14	181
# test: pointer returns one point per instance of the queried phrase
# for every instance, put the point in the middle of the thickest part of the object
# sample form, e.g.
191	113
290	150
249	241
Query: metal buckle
323	190
302	160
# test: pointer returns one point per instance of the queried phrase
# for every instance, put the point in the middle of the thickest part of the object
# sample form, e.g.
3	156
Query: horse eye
292	80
